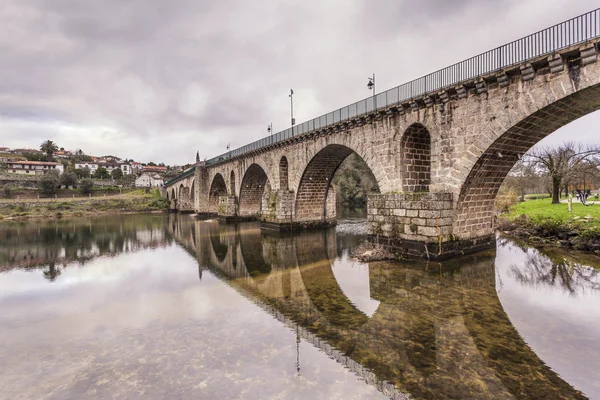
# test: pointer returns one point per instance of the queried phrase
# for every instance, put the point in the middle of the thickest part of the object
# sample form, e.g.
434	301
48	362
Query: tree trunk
555	190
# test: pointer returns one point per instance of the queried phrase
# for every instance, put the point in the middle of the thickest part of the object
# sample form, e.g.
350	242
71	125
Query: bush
48	183
86	186
7	189
68	178
507	199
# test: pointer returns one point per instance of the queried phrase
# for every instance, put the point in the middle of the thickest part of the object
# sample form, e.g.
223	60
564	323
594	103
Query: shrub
7	189
506	200
48	183
86	186
68	178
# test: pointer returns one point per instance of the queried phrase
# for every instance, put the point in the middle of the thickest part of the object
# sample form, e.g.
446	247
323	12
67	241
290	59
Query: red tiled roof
33	162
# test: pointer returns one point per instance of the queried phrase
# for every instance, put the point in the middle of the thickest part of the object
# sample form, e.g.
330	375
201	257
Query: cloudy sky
156	80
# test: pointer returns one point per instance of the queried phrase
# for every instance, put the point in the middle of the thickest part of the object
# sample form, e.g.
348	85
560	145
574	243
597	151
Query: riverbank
541	223
134	202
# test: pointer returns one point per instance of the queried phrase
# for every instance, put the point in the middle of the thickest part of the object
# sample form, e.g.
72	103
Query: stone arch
232	182
313	190
173	196
252	189
415	150
180	191
283	173
480	184
217	188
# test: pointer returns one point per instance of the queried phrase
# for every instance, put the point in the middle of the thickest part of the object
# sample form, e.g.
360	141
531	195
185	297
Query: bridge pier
420	225
279	212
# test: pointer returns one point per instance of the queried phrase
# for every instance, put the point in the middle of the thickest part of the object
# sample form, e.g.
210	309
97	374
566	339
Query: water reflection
461	329
557	271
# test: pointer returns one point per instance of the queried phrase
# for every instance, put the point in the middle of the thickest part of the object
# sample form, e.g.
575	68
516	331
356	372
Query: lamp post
270	131
292	109
371	86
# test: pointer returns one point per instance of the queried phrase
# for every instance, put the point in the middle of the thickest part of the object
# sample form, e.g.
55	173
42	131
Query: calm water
156	307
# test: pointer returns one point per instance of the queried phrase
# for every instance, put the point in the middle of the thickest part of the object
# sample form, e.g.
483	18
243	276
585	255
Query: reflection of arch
252	254
252	189
320	283
217	188
218	246
315	182
475	205
232	183
416	159
283	173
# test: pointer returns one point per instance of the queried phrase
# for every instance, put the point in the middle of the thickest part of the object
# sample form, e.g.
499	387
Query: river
166	306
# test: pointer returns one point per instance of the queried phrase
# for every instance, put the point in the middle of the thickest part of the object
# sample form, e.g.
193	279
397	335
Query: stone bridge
439	330
439	147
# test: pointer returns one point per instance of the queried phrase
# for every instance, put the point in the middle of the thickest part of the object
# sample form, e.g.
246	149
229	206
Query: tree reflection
52	272
542	270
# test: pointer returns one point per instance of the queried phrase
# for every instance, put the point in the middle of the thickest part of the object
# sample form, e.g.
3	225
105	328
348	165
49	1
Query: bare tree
562	162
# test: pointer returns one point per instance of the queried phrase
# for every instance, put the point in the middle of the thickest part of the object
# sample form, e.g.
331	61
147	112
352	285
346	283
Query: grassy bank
541	222
133	202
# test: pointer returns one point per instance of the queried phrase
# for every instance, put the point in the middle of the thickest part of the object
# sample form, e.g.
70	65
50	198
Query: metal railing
179	177
547	41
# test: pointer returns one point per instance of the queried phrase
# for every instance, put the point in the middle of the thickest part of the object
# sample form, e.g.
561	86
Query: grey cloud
159	79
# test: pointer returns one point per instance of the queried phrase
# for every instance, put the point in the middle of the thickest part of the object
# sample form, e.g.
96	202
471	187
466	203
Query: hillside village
27	168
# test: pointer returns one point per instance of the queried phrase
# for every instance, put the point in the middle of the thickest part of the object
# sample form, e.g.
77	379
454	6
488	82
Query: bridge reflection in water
439	330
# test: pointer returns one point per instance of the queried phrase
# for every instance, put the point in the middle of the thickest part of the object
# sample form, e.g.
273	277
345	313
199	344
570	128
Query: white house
110	166
149	180
34	167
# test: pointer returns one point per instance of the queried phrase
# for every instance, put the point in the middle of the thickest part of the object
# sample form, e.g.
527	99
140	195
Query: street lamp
270	130
292	106
371	86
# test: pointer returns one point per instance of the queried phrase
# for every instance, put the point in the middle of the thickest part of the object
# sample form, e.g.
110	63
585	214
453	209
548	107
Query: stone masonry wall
425	217
278	206
227	206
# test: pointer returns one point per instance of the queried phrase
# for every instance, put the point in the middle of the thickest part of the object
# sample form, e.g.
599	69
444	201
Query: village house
22	151
149	180
109	159
110	166
62	153
34	167
4	150
155	168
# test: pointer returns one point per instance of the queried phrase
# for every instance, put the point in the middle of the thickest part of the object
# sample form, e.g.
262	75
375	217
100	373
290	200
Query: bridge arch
192	193
492	158
217	188
180	191
313	189
173	196
283	173
416	159
252	189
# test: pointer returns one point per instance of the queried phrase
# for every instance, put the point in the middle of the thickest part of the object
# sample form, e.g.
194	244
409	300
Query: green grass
544	219
544	208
